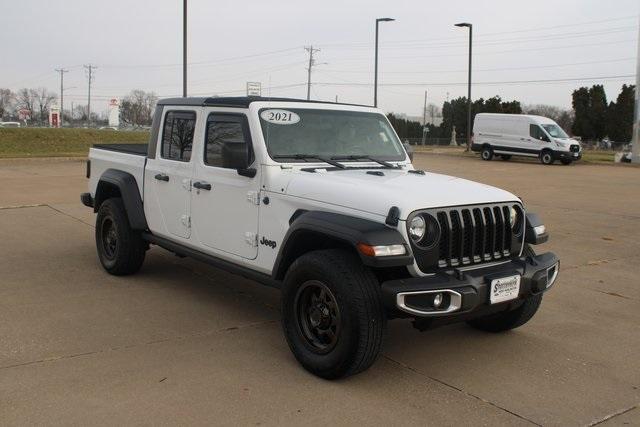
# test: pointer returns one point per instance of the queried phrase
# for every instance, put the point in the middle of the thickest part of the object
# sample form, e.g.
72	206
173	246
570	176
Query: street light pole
466	24
184	48
635	155
375	78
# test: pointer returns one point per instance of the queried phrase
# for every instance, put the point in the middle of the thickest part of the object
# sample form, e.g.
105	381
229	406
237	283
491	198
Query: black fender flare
128	187
346	229
530	236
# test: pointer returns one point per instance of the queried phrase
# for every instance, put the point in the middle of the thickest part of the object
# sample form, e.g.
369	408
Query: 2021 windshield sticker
280	117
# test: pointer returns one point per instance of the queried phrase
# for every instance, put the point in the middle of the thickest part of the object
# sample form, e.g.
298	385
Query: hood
363	191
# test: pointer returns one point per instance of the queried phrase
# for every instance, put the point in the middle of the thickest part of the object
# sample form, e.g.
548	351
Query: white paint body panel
222	218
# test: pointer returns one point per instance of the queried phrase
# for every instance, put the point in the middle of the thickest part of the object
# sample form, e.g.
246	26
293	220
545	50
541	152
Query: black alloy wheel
318	316
109	238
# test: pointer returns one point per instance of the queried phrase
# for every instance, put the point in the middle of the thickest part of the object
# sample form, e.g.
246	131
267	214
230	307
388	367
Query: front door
168	177
225	203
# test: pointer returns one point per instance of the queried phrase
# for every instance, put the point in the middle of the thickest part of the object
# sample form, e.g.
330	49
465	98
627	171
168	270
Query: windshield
555	131
329	134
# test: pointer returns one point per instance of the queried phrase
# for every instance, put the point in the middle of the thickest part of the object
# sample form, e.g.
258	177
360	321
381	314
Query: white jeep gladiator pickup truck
320	200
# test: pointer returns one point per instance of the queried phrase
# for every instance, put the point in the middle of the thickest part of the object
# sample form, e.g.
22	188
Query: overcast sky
138	44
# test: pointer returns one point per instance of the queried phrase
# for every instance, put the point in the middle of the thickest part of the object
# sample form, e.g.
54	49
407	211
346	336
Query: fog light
539	230
437	300
552	275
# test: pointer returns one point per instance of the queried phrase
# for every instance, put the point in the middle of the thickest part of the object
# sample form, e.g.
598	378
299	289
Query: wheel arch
117	183
315	230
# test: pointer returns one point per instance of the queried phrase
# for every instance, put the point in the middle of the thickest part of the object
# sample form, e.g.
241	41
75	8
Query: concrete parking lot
184	343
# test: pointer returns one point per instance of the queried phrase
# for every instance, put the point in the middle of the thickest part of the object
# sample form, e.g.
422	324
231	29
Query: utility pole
61	71
184	48
424	119
635	156
90	69
312	62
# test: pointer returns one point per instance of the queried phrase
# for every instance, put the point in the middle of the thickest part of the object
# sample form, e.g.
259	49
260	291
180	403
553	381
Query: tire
121	250
546	157
566	162
505	156
507	320
332	313
486	153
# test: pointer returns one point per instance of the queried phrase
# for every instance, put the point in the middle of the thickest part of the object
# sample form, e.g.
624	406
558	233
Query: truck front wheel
332	313
121	250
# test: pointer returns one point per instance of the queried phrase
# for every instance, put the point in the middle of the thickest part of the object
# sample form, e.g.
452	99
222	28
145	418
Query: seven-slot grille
474	234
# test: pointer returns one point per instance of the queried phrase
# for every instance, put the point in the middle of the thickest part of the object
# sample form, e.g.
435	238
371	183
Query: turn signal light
381	251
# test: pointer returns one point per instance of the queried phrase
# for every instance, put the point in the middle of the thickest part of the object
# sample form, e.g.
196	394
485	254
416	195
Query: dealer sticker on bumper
504	289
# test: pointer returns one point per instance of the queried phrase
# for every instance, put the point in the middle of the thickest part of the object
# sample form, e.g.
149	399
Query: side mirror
236	156
409	149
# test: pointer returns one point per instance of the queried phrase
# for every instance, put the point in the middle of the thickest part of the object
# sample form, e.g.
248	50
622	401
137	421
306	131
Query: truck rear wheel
486	153
332	313
507	320
121	250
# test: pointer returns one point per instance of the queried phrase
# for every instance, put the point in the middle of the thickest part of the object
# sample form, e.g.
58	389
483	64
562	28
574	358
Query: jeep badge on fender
267	242
362	237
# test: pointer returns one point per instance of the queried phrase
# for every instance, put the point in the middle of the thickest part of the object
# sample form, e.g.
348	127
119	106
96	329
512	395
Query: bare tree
433	111
43	99
137	108
26	101
7	100
561	116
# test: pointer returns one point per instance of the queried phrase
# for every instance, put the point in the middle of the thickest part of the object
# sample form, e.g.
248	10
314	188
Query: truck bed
137	149
129	158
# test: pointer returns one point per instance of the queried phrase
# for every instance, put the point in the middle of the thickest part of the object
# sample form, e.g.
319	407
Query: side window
537	133
177	135
227	138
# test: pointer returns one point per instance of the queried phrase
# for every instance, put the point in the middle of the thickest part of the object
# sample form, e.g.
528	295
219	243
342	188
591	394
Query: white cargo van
507	135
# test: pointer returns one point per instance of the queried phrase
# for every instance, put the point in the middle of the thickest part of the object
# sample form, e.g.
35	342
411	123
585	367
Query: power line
489	83
531	67
482	35
203	63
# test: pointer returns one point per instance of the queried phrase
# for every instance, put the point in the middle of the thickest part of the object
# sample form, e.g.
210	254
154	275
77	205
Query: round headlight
417	228
513	216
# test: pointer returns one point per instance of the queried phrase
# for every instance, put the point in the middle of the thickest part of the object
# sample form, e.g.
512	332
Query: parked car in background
9	124
509	135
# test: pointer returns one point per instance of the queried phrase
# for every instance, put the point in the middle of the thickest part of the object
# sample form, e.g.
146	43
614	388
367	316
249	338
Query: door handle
162	177
202	185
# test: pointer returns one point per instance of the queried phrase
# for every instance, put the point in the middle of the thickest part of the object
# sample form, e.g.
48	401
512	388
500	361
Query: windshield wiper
307	157
365	157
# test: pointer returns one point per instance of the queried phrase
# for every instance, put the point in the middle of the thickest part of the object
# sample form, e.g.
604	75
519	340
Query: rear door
168	175
224	203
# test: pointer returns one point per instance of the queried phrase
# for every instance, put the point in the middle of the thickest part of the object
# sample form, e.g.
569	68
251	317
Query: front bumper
467	291
568	155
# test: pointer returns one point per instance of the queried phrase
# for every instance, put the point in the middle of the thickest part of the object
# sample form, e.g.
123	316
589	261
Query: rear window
177	135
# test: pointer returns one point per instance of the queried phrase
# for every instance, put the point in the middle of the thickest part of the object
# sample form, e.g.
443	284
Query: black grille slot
469	234
456	238
474	235
444	239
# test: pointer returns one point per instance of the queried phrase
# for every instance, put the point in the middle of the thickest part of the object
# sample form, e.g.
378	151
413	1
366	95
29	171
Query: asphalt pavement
185	343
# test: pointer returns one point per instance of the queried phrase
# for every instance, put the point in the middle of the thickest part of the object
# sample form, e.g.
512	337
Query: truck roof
239	101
